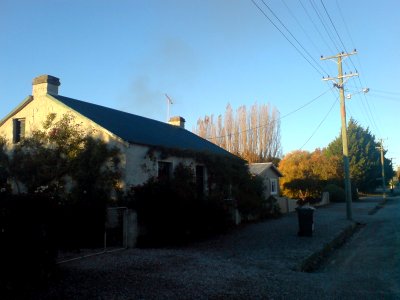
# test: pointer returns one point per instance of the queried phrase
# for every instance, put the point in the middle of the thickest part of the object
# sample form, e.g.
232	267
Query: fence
121	228
289	205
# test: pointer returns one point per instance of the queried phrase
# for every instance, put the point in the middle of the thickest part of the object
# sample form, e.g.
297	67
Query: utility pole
383	170
339	82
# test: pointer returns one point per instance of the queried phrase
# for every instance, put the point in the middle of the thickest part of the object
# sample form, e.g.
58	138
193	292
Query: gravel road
256	261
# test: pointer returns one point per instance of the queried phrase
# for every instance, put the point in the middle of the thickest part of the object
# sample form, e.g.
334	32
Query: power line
364	100
278	119
297	49
344	22
347	29
338	35
323	24
329	32
331	35
341	41
366	109
386	97
334	27
354	115
337	32
301	27
386	92
365	114
319	125
373	90
372	115
315	26
308	103
293	37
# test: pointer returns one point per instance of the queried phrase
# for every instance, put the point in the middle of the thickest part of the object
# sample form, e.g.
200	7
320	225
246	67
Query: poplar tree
253	134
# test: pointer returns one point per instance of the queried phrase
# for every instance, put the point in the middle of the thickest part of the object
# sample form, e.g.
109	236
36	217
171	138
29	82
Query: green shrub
271	208
336	193
250	199
304	188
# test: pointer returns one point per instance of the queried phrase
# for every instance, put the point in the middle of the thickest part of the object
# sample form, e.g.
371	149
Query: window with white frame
274	186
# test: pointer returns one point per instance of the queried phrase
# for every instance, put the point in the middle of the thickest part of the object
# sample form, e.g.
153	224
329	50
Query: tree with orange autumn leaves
306	173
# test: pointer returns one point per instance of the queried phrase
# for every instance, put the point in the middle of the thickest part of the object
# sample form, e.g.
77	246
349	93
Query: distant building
270	176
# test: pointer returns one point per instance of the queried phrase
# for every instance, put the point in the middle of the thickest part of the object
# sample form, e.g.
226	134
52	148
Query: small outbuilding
270	175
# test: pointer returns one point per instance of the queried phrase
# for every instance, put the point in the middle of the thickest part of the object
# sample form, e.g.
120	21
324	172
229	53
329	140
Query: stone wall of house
140	166
136	166
267	187
36	112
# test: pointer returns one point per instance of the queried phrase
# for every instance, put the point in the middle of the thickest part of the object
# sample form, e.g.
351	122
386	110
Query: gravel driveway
257	261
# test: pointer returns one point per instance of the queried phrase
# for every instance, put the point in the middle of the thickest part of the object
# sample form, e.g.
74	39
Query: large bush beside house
230	179
271	208
252	203
64	163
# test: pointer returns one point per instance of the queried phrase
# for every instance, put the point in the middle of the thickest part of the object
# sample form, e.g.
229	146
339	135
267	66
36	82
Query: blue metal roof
140	130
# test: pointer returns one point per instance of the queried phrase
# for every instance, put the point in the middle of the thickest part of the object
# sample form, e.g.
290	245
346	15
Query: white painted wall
140	167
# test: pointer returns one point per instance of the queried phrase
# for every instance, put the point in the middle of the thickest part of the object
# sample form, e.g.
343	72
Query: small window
274	186
200	180
164	170
18	130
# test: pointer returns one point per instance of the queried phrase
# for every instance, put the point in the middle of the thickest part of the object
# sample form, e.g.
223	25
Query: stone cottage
132	134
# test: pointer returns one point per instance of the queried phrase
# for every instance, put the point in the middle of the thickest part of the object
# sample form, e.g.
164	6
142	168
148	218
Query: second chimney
177	121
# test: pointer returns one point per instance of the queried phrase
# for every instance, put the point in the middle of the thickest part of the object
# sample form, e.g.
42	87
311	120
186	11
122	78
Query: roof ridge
141	130
20	106
110	108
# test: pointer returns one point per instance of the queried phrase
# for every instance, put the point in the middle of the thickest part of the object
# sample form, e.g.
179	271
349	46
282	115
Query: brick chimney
177	121
45	84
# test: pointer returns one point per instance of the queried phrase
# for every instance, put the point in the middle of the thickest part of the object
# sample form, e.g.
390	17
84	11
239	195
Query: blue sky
207	53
